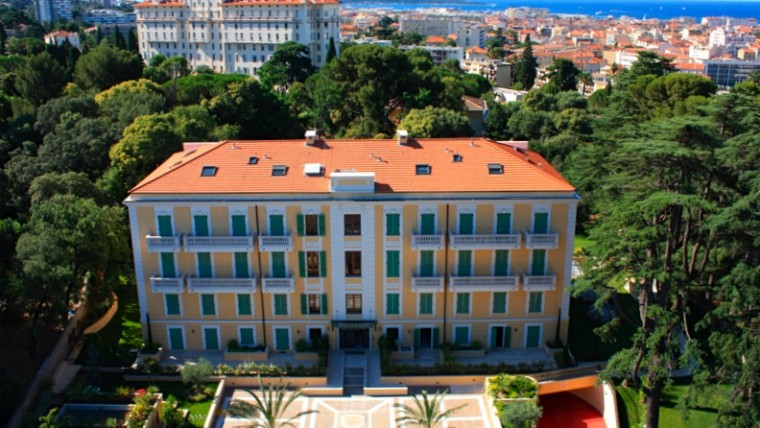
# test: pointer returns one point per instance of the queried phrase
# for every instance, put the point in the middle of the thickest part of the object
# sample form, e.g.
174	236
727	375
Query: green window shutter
436	337
241	265
176	341
499	302
201	225
300	225
302	264
321	225
281	339
238	225
416	338
466	224
393	224
501	263
246	336
538	264
428	224
304	304
465	263
541	223
277	225
535	302
172	304
503	223
463	303
494	332
426	263
244	304
392	258
212	339
167	265
426	303
204	265
207	304
533	333
323	264
461	335
507	336
280	304
165	225
392	304
324	304
278	264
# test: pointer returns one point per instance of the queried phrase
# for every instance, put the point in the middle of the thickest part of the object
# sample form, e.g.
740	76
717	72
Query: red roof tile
393	165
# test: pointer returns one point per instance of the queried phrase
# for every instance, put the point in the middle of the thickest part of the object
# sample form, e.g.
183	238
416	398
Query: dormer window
495	168
253	160
279	170
208	171
456	158
422	169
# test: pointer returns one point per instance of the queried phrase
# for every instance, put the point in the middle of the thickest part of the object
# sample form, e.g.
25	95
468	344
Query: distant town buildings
235	36
108	19
52	10
60	37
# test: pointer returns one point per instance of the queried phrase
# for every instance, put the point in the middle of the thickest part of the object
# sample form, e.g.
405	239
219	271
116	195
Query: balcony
427	284
221	285
268	243
485	242
427	242
539	282
167	285
483	283
541	241
163	244
210	244
278	285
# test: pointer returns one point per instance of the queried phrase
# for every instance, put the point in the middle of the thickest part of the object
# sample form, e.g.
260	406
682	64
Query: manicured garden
633	414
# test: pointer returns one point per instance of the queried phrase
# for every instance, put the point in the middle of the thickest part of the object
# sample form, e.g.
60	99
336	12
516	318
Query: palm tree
268	409
425	412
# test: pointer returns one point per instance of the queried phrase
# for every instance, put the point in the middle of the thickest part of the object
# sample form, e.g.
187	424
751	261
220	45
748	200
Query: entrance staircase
354	372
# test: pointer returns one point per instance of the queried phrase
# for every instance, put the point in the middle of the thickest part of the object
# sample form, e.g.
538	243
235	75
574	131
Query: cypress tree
525	72
331	52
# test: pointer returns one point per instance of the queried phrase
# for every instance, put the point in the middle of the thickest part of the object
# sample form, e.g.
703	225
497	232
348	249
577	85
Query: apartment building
52	10
423	240
235	36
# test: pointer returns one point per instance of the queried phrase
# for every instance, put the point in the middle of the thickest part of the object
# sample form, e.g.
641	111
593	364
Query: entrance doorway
501	337
354	338
425	340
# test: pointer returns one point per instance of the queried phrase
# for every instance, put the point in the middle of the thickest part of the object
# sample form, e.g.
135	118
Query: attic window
312	169
457	158
208	171
495	168
422	169
253	160
279	170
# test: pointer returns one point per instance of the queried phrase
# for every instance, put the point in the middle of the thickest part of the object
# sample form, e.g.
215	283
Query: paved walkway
370	412
354	371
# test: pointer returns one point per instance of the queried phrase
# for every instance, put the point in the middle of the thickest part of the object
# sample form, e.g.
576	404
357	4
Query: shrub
476	344
197	373
508	386
520	414
302	345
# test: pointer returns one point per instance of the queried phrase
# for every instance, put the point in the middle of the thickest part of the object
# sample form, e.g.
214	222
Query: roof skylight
208	171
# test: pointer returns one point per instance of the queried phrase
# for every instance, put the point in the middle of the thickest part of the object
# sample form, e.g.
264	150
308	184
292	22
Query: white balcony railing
210	244
427	242
275	243
221	285
428	284
278	285
167	285
485	242
539	282
163	244
538	241
483	283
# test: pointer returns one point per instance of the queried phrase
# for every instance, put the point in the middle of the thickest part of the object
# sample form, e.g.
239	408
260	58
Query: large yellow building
427	241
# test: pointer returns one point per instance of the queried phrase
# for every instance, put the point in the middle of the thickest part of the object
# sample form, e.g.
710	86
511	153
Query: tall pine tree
525	71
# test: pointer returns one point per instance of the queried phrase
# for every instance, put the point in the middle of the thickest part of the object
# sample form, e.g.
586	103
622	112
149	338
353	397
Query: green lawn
582	241
112	345
632	412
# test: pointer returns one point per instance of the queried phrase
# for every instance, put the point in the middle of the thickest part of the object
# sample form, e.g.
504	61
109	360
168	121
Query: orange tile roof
162	3
393	165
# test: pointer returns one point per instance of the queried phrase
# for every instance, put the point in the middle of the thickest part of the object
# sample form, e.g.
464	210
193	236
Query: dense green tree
332	53
525	69
49	114
199	88
162	69
475	85
70	241
25	46
497	122
527	124
290	63
564	74
48	185
132	44
41	79
124	102
436	122
106	66
495	48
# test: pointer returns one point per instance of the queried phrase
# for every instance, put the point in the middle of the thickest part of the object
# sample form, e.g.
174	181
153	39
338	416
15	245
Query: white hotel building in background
235	36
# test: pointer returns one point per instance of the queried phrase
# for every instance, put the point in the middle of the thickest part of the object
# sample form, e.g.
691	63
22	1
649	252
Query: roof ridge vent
311	137
403	137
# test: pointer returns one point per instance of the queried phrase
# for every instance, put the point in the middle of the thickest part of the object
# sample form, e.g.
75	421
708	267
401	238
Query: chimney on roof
311	137
403	136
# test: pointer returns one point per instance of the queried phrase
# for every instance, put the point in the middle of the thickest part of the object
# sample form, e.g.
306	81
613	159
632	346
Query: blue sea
661	9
